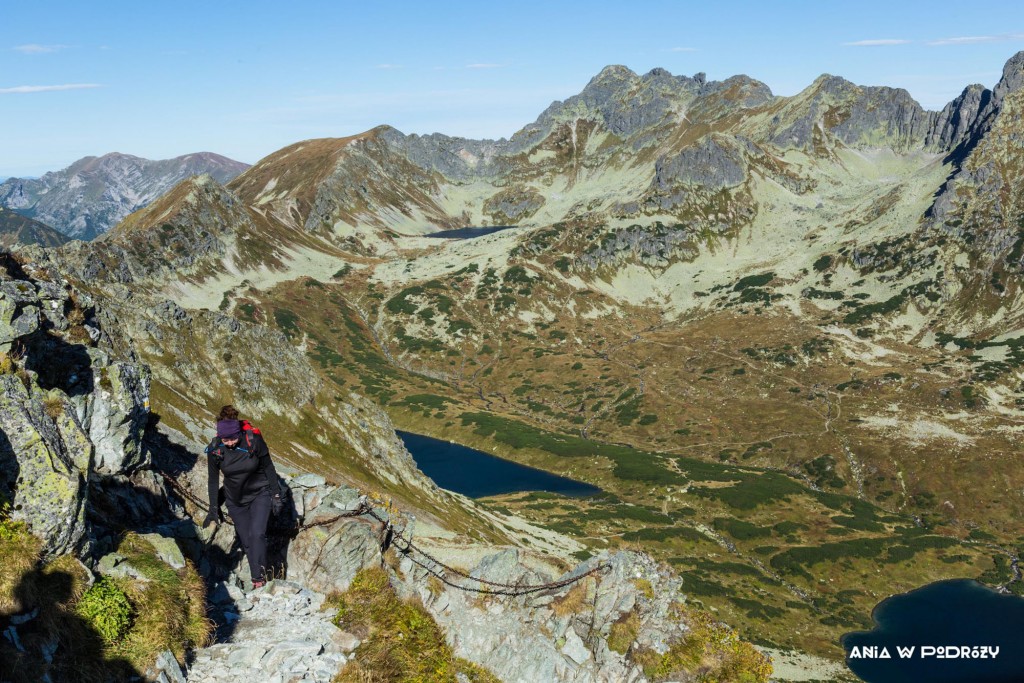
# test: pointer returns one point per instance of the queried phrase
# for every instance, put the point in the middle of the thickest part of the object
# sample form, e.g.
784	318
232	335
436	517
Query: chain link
410	550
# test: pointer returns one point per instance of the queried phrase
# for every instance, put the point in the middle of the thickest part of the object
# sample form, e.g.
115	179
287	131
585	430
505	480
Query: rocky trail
277	633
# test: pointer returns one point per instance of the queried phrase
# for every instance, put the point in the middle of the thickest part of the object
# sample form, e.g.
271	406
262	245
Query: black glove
212	516
276	504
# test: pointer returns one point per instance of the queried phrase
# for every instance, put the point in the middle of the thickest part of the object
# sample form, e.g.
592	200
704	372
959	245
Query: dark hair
228	413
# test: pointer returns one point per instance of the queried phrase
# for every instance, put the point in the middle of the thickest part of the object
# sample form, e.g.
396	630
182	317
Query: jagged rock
574	648
114	564
342	498
26	323
711	163
507	635
958	120
308	481
657	246
514	204
346	641
118	417
455	158
21	292
504	567
326	558
166	669
45	460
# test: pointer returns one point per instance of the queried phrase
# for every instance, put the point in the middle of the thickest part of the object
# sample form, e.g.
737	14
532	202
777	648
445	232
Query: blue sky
159	79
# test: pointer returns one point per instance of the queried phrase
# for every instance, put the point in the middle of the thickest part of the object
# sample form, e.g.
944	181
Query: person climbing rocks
252	489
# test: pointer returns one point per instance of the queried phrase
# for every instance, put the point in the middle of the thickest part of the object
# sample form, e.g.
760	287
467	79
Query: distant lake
469	233
477	474
948	613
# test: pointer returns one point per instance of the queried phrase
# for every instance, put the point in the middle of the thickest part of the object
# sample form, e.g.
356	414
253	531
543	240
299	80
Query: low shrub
107	608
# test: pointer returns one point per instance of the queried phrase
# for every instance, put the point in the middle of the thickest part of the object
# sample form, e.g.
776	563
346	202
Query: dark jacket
247	473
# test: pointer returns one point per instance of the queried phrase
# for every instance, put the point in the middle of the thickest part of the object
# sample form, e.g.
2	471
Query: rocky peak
613	74
857	116
454	157
834	85
1013	77
958	120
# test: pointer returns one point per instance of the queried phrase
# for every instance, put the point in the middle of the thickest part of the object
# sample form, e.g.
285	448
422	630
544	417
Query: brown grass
171	607
624	632
645	588
53	588
572	602
53	406
401	641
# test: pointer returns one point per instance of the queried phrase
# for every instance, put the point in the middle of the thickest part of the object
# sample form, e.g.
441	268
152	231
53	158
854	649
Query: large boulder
44	460
327	558
118	415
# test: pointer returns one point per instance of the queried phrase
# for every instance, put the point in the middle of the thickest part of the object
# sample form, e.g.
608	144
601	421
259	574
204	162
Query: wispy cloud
878	41
973	40
47	88
484	65
388	66
683	49
36	49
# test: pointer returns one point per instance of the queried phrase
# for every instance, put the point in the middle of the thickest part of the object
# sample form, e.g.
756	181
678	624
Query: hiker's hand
213	517
276	504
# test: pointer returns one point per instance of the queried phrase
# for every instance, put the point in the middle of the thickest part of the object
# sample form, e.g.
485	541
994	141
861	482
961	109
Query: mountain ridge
94	193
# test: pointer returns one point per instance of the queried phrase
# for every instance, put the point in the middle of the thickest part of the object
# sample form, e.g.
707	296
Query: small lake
959	613
477	474
469	233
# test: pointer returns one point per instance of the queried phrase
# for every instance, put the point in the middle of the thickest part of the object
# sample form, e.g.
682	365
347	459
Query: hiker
251	486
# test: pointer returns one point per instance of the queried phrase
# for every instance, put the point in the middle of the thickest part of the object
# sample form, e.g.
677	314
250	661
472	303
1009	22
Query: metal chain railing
520	589
195	500
387	537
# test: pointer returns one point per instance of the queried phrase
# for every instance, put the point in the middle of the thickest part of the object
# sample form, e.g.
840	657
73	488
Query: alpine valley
783	335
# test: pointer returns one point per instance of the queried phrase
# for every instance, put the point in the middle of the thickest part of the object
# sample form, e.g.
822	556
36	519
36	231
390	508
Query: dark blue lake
477	474
468	233
960	613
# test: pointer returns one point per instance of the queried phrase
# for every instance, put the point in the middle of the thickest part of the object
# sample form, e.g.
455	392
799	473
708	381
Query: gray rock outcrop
713	163
68	411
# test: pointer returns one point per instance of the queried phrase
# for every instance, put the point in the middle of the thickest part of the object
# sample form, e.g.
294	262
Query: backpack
248	431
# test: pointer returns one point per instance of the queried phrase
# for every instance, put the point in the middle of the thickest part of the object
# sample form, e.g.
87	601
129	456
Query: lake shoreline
477	474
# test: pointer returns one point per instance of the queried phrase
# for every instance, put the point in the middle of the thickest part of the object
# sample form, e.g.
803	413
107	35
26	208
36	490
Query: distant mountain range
93	194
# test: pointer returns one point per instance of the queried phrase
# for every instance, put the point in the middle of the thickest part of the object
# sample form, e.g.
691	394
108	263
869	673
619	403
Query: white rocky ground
277	634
